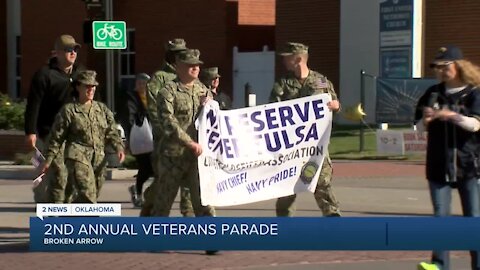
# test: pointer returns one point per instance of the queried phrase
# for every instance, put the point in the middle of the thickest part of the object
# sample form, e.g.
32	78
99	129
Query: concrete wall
359	43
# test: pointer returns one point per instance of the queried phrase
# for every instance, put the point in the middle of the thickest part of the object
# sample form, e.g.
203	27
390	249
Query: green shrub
11	113
22	158
130	162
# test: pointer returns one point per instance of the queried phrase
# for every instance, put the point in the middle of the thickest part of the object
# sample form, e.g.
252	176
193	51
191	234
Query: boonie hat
210	73
190	56
176	44
87	77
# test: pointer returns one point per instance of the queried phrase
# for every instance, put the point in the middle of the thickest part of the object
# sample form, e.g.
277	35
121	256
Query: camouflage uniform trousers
149	195
54	187
88	179
326	201
174	172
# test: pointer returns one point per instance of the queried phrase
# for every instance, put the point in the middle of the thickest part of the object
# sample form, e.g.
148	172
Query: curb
26	172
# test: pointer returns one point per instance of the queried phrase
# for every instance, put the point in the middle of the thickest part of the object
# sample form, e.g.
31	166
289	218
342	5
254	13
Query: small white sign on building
401	142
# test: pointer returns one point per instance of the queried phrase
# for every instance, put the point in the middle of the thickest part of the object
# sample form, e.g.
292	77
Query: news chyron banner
141	234
263	152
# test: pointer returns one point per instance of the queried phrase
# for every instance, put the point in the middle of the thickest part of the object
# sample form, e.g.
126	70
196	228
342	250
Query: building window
126	63
18	57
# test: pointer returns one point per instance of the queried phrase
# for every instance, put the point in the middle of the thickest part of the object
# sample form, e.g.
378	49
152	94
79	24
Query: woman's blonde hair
469	72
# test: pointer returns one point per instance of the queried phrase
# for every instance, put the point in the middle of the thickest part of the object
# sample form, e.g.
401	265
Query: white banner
263	152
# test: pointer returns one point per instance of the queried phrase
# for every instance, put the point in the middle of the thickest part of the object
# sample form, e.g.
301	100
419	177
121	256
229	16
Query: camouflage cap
175	45
87	77
190	56
66	41
294	48
209	73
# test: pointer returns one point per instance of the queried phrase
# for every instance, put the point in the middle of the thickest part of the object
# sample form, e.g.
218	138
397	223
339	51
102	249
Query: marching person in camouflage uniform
51	88
211	79
302	82
158	80
179	103
85	127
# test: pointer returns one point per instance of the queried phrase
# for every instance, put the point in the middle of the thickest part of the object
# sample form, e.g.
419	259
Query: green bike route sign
109	35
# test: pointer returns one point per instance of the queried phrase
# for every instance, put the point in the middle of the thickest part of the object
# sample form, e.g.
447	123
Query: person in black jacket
50	89
450	112
137	108
211	79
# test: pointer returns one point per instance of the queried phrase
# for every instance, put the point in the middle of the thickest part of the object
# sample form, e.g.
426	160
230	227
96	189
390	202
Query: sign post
108	35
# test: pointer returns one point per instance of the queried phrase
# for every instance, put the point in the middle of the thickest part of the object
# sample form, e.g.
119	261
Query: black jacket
136	110
50	89
444	137
224	101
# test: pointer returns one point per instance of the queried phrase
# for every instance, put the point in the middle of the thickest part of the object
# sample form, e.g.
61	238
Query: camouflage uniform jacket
178	108
85	133
157	82
290	87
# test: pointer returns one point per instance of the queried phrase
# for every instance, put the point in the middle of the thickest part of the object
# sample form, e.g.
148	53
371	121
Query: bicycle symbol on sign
109	31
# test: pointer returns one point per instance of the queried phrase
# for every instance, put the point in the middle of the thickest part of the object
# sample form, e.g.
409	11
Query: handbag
141	138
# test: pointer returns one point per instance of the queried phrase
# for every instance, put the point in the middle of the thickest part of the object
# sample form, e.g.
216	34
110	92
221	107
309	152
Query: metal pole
247	92
362	101
110	83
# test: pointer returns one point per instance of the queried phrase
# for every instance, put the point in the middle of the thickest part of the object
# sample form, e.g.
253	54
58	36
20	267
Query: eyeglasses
89	85
441	66
71	49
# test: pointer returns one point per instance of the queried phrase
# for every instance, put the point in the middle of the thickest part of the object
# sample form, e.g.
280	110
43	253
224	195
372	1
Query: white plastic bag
141	138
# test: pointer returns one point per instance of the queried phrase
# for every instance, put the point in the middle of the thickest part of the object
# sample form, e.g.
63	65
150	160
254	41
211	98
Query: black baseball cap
447	54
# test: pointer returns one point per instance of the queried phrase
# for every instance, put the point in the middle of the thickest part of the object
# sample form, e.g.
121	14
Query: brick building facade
39	33
211	26
315	23
452	22
3	47
215	27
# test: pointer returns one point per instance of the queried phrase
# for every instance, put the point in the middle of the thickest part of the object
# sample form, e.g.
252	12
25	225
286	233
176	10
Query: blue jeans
441	195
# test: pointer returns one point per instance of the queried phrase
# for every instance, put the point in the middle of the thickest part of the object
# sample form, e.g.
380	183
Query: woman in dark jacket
450	112
137	103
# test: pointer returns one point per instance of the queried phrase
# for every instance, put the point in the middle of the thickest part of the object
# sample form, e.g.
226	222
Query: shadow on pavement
17	209
13	230
16	247
386	213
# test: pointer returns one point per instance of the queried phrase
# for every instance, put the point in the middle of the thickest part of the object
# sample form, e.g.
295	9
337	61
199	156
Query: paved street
364	189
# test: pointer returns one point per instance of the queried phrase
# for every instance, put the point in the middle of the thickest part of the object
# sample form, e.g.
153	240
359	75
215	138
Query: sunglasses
71	49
